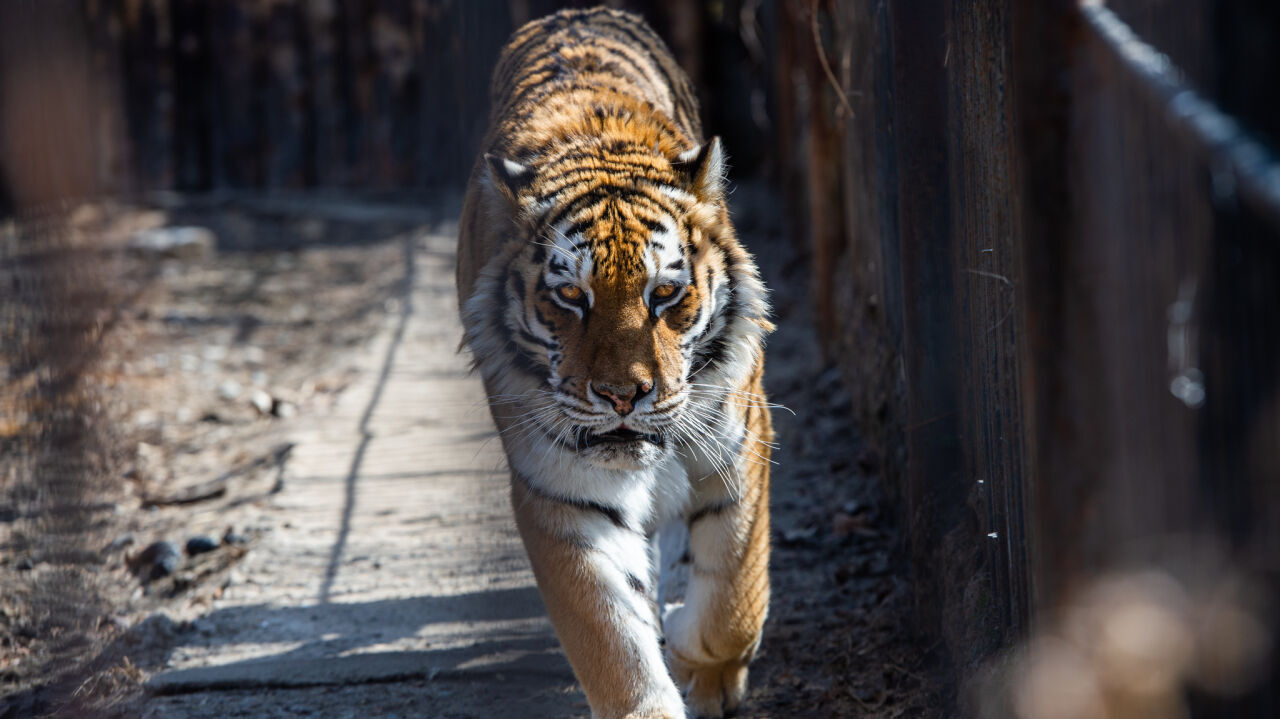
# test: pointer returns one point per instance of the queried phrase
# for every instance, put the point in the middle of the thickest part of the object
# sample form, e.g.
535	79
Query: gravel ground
217	358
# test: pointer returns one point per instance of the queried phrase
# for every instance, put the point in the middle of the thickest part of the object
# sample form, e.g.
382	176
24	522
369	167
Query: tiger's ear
510	176
703	170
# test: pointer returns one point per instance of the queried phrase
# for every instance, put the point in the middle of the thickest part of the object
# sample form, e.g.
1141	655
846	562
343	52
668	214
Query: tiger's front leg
593	573
714	635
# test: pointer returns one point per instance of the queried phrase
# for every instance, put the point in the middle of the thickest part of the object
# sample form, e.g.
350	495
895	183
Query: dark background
1050	277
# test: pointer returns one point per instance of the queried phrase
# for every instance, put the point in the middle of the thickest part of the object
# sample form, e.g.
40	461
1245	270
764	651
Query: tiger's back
588	56
618	326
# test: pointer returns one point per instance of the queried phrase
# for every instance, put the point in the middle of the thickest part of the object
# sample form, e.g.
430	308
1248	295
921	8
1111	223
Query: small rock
261	401
182	583
124	540
164	566
283	409
24	565
159	559
799	536
201	544
233	537
229	390
178	242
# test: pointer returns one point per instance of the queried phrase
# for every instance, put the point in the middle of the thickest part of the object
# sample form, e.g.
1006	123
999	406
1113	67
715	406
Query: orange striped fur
619	325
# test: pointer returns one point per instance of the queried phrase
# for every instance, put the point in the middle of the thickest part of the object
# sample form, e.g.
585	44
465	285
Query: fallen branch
217	487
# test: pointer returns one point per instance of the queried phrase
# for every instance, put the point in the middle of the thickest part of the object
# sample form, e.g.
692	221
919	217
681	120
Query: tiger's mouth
587	439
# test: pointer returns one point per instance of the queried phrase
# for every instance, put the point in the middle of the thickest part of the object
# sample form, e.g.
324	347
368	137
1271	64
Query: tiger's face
617	303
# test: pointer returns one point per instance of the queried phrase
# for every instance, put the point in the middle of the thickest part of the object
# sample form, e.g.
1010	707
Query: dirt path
388	556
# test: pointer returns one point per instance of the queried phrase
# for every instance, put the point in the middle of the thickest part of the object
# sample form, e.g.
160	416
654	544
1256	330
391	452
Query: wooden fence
1049	259
196	95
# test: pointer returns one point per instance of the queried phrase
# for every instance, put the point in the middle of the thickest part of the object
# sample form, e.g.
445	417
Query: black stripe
612	62
531	339
526	362
713	355
574	175
709	510
711	294
652	225
578	227
542	319
520	358
636	584
539	88
599	193
577	153
654	49
697	317
640	162
613	514
653	200
517	53
527	60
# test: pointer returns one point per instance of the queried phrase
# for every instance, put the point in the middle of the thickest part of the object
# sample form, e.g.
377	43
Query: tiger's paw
710	691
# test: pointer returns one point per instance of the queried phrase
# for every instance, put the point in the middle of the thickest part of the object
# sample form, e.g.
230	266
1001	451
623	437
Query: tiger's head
623	298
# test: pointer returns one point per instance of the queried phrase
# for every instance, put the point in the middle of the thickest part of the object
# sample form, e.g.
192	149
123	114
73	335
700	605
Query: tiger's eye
571	293
664	291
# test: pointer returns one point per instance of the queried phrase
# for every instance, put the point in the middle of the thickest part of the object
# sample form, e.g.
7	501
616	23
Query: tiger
618	326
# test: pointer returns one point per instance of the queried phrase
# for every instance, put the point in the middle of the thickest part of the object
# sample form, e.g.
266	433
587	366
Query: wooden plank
237	151
985	223
934	485
193	119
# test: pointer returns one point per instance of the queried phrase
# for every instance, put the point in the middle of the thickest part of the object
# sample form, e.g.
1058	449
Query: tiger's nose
622	397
